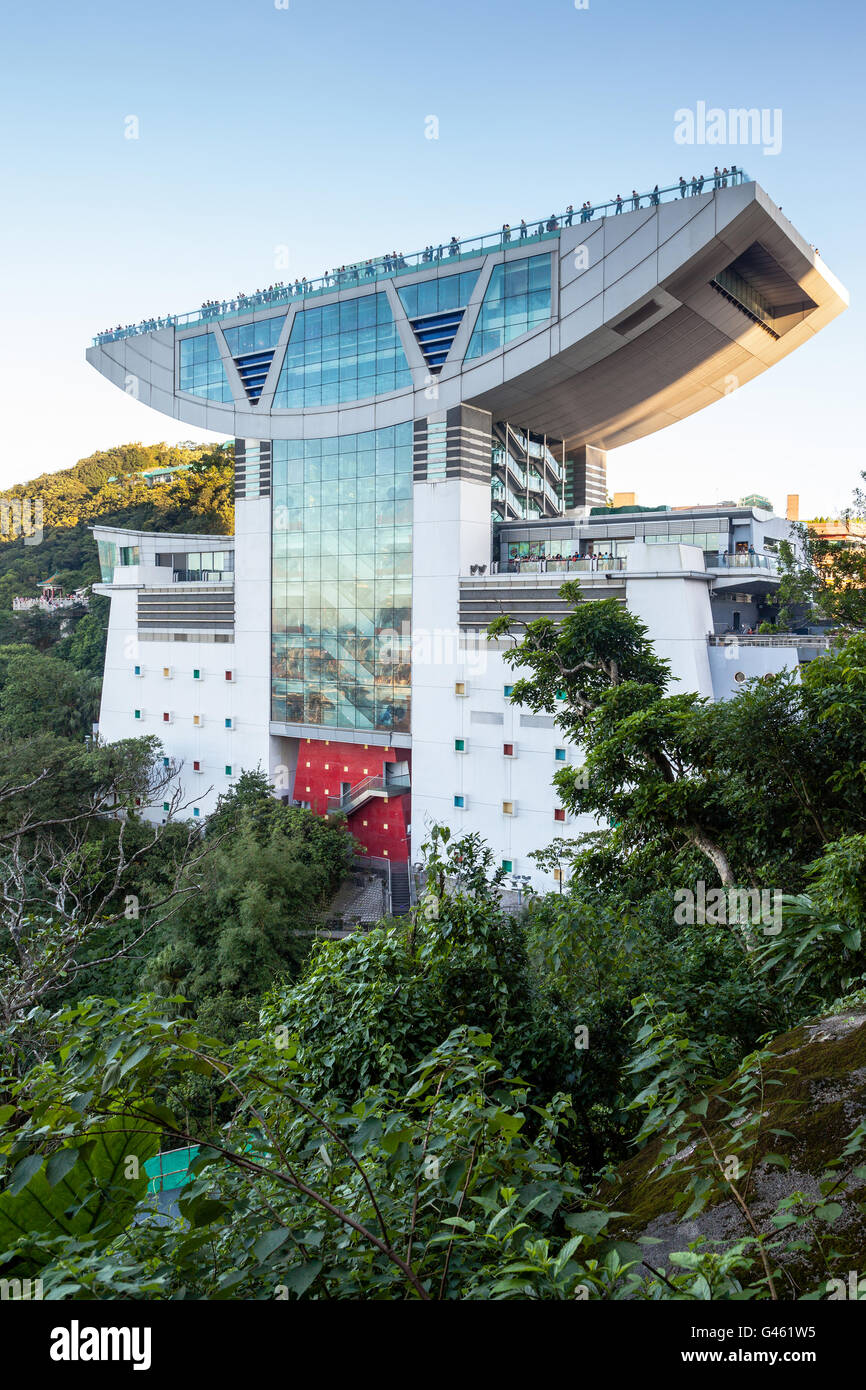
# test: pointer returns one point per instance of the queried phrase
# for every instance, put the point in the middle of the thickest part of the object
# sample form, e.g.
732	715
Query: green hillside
198	499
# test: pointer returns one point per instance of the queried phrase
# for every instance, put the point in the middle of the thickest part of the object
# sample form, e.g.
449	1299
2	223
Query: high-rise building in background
420	445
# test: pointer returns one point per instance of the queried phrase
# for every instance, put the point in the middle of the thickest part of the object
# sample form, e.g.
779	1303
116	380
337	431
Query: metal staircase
365	790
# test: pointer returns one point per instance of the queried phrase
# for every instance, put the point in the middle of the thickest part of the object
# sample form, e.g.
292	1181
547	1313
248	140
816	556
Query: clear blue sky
262	127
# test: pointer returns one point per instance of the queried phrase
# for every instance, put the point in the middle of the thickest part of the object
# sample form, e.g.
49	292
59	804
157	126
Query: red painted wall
379	825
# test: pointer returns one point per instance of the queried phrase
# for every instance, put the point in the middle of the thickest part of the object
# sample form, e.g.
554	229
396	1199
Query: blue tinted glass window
517	299
341	627
435	308
254	337
342	352
201	368
107	559
439	295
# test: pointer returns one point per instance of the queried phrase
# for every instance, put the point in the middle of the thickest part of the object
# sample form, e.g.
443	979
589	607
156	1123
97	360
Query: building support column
586	477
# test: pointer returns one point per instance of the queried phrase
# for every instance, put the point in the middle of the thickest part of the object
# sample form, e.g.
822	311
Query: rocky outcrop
819	1101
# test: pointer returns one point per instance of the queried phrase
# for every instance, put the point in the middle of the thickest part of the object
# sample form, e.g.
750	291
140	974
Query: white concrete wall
666	586
244	699
733	664
212	698
666	590
486	719
253	629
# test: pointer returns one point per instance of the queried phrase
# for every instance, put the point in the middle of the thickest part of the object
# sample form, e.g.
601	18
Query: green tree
85	880
43	694
366	1010
270	874
84	648
758	785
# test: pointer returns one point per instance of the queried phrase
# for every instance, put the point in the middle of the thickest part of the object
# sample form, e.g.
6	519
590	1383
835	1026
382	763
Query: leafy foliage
44	694
758	785
367	1010
271	871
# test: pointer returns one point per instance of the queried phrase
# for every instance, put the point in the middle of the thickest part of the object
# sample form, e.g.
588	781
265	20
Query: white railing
768	639
742	561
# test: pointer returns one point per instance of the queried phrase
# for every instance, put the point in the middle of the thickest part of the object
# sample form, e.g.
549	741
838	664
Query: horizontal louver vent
211	609
253	368
435	334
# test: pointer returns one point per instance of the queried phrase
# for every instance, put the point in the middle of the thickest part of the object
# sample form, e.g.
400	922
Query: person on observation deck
683	186
506	231
619	202
569	214
635	200
523	228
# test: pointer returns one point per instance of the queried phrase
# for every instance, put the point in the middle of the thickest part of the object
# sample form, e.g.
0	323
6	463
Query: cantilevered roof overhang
645	338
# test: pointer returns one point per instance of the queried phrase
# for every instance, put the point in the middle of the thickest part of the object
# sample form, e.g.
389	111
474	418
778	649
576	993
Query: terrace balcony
743	572
742	560
579	564
802	641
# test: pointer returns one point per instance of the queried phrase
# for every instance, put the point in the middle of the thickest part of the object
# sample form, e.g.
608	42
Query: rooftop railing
396	264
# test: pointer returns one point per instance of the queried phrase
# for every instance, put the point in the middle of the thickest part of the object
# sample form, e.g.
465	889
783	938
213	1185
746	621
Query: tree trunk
701	840
717	857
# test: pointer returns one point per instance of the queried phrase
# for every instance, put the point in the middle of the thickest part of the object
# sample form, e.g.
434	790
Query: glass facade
517	298
252	347
342	580
254	337
686	535
111	555
201	368
107	559
342	352
195	564
437	296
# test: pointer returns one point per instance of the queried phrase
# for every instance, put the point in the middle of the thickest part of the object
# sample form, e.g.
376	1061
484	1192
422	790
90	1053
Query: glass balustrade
447	254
